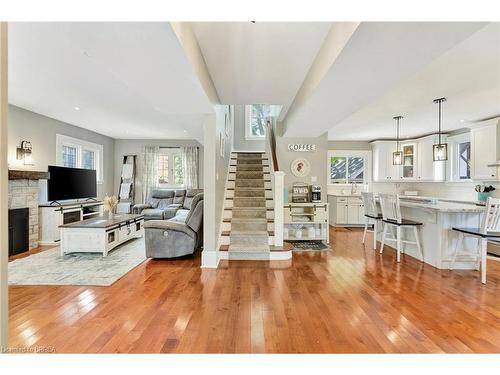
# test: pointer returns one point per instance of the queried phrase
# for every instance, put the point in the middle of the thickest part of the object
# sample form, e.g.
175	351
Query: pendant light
397	156
439	150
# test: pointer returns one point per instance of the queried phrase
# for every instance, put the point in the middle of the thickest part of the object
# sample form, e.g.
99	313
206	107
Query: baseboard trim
209	259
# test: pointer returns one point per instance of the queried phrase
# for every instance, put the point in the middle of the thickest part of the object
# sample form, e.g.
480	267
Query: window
69	156
170	171
463	160
77	153
346	170
256	117
163	169
347	167
88	160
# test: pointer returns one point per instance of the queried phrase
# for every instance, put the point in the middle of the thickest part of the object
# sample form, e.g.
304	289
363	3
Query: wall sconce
24	153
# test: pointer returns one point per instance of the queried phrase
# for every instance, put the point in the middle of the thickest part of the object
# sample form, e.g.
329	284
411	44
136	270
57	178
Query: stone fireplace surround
23	192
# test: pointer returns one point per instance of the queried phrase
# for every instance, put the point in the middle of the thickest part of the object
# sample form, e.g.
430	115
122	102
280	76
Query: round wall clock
300	167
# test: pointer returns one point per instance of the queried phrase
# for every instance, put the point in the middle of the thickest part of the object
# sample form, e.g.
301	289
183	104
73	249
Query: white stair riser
273	255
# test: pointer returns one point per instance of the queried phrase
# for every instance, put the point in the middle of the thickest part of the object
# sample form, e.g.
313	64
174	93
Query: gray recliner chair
176	237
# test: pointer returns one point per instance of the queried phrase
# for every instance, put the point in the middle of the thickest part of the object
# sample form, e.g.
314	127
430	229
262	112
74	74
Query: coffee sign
301	147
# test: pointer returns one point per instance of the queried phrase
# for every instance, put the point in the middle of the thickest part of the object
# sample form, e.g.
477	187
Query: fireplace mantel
27	175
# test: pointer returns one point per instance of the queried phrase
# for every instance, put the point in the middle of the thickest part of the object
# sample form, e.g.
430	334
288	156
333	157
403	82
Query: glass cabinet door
409	158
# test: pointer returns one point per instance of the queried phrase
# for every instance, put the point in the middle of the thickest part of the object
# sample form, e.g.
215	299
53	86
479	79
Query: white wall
135	147
240	142
216	169
317	160
4	310
41	132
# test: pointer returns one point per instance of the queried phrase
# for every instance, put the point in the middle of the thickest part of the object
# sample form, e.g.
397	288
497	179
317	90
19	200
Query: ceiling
468	75
262	62
377	57
129	80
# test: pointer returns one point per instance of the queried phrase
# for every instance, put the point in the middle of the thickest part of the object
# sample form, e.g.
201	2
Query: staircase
248	213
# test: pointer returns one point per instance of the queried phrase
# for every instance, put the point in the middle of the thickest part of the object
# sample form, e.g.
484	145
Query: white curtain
150	158
190	166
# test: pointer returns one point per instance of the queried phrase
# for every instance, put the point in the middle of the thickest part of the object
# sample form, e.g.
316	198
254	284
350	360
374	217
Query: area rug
309	245
50	268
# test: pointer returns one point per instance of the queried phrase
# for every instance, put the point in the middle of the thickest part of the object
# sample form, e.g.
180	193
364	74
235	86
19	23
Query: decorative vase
298	233
311	233
111	215
483	197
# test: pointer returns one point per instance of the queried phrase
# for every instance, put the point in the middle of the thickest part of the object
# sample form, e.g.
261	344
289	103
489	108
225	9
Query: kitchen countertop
441	204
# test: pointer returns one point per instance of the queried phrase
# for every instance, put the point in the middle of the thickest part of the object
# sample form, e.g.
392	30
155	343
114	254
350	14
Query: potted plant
110	202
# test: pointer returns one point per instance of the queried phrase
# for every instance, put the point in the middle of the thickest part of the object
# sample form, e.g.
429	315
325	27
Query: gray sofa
178	236
164	204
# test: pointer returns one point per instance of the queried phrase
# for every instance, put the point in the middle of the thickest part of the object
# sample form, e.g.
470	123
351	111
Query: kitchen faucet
354	187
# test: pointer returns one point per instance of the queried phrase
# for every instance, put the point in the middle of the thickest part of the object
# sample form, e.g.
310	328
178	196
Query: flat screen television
71	183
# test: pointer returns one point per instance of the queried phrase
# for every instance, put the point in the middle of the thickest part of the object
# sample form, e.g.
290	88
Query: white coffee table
100	235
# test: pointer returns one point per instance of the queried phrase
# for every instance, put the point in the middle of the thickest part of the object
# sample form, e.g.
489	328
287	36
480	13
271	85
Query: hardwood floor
348	300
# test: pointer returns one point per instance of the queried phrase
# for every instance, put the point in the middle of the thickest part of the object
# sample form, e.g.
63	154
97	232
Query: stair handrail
271	138
277	183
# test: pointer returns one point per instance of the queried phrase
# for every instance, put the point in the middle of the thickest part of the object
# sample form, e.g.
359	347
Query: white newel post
279	183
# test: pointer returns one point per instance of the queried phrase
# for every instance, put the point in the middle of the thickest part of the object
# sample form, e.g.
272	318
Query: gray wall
239	141
317	159
349	145
41	132
135	147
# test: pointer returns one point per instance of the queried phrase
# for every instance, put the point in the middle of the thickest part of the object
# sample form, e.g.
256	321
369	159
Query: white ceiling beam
334	42
189	43
377	56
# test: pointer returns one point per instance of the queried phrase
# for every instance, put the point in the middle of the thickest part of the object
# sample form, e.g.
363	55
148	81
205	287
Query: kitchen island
437	237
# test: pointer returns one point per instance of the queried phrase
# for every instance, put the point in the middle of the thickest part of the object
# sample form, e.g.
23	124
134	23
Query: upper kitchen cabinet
409	168
418	164
484	151
383	169
428	169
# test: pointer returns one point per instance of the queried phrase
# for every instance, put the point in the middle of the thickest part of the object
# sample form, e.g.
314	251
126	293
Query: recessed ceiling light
185	131
76	108
462	120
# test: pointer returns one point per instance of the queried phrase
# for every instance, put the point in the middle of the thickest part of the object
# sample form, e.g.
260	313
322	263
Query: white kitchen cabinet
428	169
418	164
341	211
383	169
484	152
408	171
348	211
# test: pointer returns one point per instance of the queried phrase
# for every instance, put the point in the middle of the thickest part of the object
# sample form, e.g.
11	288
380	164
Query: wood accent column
4	311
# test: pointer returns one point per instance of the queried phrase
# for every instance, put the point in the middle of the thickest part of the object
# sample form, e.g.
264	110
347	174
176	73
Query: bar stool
372	216
489	232
391	217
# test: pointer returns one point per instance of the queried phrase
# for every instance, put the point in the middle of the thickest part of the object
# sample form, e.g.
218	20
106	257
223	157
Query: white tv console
53	215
